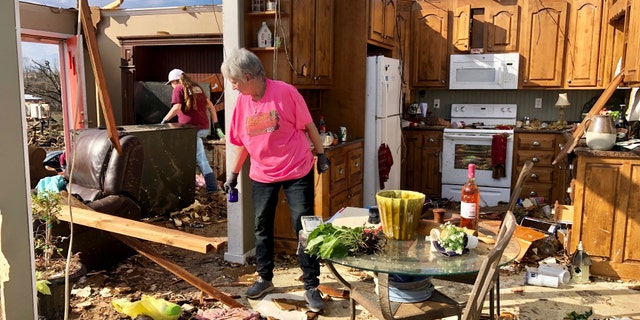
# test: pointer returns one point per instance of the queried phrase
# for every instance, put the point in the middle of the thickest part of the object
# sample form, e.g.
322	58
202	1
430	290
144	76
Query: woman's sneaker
259	288
314	299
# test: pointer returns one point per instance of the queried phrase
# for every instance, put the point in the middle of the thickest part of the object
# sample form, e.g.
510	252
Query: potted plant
51	264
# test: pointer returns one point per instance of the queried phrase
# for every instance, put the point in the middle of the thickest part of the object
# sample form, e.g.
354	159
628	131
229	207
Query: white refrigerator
382	127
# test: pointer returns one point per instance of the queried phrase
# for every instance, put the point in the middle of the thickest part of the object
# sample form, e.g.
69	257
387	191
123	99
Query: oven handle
474	138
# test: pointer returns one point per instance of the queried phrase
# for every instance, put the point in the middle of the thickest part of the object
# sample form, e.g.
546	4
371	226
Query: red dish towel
499	155
385	161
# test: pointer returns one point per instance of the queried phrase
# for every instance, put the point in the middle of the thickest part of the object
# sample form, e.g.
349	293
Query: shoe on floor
259	288
314	299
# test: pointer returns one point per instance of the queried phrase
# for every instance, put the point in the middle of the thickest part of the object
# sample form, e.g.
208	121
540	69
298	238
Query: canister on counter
343	134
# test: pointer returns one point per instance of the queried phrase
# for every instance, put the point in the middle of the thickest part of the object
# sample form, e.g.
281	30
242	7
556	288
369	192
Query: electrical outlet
538	103
436	103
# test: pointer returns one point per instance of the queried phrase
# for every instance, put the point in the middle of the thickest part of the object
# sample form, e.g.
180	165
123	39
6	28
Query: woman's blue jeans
201	156
299	194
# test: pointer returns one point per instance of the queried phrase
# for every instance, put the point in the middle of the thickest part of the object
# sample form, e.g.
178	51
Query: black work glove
323	163
231	182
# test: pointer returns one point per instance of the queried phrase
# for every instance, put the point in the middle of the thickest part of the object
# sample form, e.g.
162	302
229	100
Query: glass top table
414	257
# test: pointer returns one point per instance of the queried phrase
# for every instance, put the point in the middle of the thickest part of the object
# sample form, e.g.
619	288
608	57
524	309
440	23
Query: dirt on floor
92	297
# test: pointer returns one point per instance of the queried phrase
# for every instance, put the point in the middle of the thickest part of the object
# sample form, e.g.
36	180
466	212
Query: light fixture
561	104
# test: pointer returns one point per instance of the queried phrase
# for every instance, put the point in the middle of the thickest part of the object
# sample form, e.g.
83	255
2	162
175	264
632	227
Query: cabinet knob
432	140
357	164
533	193
534	159
561	146
341	171
534	176
536	144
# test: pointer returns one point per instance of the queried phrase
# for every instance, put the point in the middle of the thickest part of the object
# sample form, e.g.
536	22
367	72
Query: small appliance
497	71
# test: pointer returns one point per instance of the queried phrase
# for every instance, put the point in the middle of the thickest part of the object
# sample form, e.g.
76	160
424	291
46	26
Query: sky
41	52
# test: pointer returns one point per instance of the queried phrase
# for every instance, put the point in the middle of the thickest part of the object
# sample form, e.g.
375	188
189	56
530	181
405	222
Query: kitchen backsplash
525	99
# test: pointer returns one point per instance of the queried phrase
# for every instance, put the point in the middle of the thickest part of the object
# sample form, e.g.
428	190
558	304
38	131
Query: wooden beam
580	129
148	252
141	230
98	71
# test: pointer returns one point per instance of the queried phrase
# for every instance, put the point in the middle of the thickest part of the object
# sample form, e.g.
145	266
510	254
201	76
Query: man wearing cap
190	104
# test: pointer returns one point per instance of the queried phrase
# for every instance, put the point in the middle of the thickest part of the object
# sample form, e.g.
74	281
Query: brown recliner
108	182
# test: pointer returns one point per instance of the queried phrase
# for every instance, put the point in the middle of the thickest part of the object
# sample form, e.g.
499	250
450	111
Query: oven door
462	147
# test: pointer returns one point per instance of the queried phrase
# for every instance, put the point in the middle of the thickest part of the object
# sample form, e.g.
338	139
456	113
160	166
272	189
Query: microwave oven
493	71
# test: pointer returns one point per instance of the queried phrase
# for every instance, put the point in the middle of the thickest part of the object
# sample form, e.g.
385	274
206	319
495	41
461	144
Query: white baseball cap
174	75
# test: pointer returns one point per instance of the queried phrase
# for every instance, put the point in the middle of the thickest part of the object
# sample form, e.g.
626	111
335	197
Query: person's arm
315	137
241	157
212	110
232	179
172	113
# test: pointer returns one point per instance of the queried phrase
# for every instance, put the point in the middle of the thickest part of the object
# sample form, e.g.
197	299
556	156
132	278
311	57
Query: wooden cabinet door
607	215
421	168
543	43
382	21
501	28
312	42
430	50
583	46
461	28
632	60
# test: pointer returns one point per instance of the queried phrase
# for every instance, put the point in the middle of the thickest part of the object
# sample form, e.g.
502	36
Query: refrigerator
383	134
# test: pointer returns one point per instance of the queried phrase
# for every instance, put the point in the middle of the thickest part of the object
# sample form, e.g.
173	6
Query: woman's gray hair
240	62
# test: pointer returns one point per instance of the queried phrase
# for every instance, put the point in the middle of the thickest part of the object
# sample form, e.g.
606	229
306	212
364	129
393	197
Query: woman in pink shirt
270	123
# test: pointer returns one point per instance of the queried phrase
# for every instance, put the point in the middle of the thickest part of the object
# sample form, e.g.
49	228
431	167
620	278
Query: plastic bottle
322	126
470	200
264	36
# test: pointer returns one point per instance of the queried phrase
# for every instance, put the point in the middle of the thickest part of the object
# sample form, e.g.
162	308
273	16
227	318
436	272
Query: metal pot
601	132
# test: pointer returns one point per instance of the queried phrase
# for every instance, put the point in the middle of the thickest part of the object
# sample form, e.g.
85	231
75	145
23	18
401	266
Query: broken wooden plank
98	71
597	107
526	236
142	230
156	257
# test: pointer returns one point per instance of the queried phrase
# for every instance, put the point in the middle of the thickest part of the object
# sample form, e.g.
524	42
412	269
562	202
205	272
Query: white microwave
497	71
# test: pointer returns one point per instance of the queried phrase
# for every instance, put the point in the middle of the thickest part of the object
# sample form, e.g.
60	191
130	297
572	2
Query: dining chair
438	305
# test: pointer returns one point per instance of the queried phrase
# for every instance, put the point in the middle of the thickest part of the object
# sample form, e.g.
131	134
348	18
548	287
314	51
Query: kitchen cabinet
543	36
545	179
274	60
421	166
430	34
312	39
632	60
340	186
607	212
494	27
382	22
583	45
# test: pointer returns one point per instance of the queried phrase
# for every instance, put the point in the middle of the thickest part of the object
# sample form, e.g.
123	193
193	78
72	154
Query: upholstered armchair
108	182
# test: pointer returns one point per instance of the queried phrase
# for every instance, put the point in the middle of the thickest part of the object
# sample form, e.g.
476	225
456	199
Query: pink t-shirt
197	117
273	132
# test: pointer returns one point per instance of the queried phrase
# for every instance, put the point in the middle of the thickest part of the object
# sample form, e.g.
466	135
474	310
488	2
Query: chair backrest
489	268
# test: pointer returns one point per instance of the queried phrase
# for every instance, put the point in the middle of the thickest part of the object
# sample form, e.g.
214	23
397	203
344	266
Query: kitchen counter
425	127
567	129
616	152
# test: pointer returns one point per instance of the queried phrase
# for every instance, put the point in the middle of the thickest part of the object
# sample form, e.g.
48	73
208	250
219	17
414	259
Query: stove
470	140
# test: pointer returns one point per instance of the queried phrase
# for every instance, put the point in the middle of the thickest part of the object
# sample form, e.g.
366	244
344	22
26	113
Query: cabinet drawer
349	198
539	158
355	159
538	174
536	142
338	171
536	190
432	141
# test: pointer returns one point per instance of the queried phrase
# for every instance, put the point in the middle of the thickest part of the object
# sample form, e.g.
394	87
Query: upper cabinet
382	22
583	45
302	48
312	39
632	60
430	54
544	27
489	26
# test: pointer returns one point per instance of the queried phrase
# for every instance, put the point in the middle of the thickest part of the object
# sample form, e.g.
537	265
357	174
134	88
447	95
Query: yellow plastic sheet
158	309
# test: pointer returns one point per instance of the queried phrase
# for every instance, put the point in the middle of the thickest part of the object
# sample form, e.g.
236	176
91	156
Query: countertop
616	152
